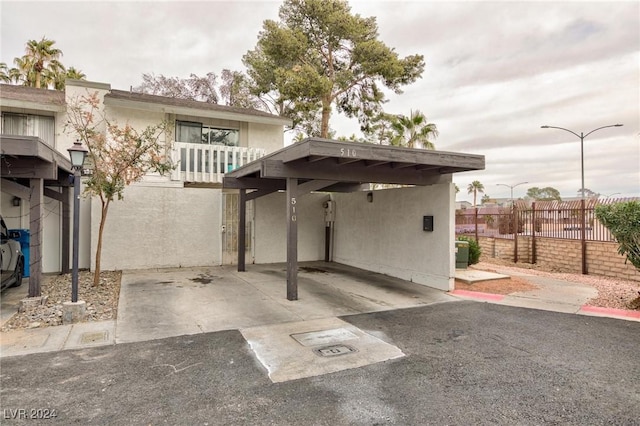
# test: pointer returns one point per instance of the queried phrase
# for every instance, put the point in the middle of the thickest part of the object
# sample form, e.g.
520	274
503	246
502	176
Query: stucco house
181	219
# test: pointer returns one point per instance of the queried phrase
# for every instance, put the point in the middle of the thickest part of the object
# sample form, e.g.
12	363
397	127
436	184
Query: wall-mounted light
370	197
16	201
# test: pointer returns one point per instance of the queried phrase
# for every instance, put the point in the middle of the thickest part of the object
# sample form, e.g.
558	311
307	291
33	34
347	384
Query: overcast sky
495	72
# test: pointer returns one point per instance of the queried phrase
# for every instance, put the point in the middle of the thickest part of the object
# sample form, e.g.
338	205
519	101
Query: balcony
208	163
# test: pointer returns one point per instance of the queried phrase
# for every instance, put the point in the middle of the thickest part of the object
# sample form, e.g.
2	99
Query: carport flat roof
350	162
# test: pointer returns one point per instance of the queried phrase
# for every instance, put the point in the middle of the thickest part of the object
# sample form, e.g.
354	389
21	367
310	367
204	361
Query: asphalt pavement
212	346
466	362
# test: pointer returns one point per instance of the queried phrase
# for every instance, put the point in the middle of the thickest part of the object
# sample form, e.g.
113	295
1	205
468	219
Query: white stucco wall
159	226
386	235
271	229
268	137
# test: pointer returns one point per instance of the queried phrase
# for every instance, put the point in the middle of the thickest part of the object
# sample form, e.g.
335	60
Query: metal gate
230	230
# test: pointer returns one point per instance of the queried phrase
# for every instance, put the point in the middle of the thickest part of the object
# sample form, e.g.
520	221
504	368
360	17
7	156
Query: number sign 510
347	152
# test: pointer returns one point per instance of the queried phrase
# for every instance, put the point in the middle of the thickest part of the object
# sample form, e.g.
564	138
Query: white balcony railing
208	163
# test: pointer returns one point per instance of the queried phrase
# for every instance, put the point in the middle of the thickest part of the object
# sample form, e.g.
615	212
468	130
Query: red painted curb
610	311
478	295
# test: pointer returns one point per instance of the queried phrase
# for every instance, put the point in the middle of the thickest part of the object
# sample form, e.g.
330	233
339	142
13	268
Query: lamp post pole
583	226
581	136
511	187
78	154
76	232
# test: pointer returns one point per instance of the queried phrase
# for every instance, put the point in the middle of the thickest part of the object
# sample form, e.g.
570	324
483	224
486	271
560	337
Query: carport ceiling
350	163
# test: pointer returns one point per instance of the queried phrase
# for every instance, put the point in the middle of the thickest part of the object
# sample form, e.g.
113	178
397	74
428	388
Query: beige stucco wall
160	226
386	235
271	229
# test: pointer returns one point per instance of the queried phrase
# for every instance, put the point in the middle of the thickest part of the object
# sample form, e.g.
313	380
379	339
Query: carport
335	166
29	169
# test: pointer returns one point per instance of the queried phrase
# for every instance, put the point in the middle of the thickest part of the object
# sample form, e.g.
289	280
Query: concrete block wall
563	255
603	259
160	227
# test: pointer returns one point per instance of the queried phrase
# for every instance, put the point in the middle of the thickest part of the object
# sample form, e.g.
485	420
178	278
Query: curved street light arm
603	127
566	130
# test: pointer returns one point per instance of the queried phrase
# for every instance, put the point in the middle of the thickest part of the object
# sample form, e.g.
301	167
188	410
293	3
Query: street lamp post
511	187
583	226
581	136
78	153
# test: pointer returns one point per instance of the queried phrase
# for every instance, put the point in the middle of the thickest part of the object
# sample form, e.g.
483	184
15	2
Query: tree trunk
103	218
326	113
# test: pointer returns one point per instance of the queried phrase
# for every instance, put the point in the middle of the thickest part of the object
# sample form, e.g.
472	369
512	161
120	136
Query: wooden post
66	229
327	241
583	238
36	200
242	229
292	239
476	222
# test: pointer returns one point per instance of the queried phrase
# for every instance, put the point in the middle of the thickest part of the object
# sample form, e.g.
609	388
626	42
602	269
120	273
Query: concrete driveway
174	302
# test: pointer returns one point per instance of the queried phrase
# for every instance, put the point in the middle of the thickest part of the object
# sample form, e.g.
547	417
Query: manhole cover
335	350
95	337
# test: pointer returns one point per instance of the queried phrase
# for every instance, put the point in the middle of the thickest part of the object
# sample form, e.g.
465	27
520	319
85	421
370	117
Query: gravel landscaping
102	300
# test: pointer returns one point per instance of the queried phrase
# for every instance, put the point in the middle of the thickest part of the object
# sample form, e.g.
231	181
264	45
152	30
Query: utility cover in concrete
324	337
335	350
286	358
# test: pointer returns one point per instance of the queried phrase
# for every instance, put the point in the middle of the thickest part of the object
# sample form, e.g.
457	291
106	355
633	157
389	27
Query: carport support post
242	229
36	216
292	239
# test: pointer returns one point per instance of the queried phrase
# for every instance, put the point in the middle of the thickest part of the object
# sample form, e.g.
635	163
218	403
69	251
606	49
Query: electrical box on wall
427	223
329	210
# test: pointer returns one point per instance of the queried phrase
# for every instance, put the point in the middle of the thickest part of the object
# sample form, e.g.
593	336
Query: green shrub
623	220
474	249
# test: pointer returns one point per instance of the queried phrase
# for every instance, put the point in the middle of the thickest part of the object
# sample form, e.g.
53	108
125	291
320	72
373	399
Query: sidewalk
551	295
164	303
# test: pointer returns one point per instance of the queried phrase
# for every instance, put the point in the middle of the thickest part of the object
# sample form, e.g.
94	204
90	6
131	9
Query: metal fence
573	220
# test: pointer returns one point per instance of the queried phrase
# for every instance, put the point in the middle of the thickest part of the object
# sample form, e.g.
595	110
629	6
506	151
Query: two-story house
181	219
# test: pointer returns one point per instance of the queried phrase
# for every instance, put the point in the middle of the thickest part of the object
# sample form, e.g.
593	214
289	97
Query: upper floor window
192	132
29	125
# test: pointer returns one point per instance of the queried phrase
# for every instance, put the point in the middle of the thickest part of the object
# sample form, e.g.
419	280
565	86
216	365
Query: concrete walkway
163	303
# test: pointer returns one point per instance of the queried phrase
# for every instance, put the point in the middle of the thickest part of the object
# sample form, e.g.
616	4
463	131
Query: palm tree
4	73
42	54
23	72
414	130
473	188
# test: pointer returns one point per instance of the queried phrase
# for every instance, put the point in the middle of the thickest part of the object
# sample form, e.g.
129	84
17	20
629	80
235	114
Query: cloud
495	71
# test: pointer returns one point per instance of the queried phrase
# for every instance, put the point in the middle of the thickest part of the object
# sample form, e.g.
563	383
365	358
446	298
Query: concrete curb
609	312
581	310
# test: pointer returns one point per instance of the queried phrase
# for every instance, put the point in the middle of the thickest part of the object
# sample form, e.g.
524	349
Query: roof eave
200	112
